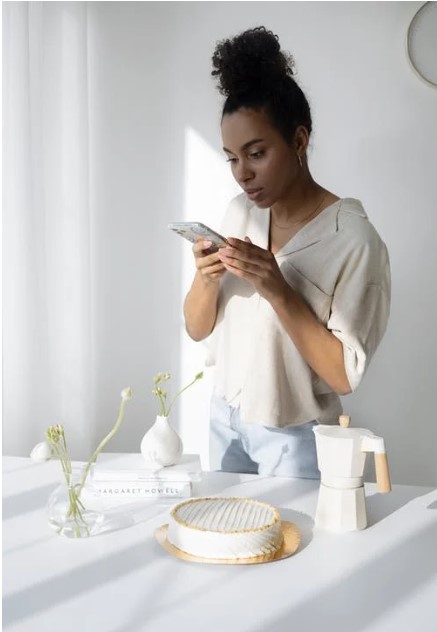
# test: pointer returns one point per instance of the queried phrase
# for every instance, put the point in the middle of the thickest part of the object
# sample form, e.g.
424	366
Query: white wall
156	145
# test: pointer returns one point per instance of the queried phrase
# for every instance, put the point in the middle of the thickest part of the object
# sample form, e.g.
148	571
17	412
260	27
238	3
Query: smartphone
193	230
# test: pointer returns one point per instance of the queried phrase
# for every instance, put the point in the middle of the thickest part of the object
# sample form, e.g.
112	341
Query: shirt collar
324	224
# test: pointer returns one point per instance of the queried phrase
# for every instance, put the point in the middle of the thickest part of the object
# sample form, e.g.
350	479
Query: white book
133	467
140	489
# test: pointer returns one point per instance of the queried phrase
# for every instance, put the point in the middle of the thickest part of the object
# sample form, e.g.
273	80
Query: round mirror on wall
422	43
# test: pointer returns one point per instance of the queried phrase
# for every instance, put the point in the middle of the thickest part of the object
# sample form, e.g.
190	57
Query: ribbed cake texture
225	528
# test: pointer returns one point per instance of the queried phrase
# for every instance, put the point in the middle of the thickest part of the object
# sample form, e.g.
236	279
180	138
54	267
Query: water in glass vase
67	512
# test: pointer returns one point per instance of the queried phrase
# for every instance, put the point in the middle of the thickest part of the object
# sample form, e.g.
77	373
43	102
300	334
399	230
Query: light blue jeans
255	449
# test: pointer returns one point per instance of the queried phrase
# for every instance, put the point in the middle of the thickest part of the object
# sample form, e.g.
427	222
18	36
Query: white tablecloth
382	579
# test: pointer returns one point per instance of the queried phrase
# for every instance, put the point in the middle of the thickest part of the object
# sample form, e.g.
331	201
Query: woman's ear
301	139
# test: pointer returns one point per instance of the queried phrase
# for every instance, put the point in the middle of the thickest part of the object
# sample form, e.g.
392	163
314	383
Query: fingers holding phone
208	263
206	246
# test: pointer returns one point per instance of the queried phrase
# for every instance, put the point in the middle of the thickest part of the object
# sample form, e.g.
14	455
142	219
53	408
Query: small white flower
126	393
41	452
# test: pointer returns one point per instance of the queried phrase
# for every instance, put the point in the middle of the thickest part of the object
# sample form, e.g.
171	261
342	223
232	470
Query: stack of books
127	476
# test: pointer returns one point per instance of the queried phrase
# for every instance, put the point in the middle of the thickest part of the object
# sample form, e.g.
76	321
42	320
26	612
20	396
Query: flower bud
41	452
54	433
126	393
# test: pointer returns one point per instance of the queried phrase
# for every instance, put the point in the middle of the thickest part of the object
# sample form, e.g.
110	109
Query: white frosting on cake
225	528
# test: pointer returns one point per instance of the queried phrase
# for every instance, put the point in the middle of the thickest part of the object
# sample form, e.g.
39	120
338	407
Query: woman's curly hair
254	73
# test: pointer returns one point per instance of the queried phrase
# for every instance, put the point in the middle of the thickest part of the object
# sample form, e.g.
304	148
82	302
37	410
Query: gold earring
299	159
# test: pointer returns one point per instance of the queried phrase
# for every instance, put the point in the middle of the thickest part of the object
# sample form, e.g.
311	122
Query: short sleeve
360	308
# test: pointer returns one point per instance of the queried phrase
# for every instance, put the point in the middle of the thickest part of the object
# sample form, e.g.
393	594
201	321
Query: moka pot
341	456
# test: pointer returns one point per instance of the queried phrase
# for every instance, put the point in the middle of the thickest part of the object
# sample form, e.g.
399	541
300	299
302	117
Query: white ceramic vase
161	445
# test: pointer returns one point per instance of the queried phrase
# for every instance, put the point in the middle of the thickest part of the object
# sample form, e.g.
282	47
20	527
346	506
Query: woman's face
262	163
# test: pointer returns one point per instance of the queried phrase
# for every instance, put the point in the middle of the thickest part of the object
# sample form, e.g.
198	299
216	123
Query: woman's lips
253	194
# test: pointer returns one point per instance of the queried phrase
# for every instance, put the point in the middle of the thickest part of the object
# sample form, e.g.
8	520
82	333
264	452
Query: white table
383	579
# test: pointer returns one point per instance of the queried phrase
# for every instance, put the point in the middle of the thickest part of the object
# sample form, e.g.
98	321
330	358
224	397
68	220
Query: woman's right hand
201	302
208	264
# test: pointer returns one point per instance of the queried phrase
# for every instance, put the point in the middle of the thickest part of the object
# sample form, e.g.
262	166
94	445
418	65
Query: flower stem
102	445
64	460
177	395
162	405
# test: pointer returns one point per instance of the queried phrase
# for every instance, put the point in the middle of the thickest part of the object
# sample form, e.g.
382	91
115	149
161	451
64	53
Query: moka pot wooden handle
382	473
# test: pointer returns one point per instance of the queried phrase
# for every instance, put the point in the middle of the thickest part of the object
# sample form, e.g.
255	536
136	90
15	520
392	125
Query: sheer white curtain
48	370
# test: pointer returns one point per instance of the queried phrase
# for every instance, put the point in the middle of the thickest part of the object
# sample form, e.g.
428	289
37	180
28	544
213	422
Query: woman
299	300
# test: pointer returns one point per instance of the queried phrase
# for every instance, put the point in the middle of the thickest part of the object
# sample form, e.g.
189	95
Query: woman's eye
231	160
256	154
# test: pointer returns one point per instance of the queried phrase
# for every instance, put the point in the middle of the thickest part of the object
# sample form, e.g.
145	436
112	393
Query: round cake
225	528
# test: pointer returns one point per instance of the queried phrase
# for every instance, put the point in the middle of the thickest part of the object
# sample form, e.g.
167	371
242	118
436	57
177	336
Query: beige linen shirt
340	266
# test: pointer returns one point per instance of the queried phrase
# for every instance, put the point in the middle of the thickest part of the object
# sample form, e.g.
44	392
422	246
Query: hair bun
250	62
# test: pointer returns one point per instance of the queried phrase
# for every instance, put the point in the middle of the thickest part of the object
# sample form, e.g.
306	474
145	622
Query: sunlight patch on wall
209	187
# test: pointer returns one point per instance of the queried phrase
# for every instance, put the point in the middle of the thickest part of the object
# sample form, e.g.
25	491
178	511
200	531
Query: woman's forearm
200	307
318	346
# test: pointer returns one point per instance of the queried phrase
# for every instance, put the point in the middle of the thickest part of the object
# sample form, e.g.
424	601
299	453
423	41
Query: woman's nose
243	173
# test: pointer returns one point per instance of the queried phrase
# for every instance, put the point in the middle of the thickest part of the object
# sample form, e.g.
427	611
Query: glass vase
68	509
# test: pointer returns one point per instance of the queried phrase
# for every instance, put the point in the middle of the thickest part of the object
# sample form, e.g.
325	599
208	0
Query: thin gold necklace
299	221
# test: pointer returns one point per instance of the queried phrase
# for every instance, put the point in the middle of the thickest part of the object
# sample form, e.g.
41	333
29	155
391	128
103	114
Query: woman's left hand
255	265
